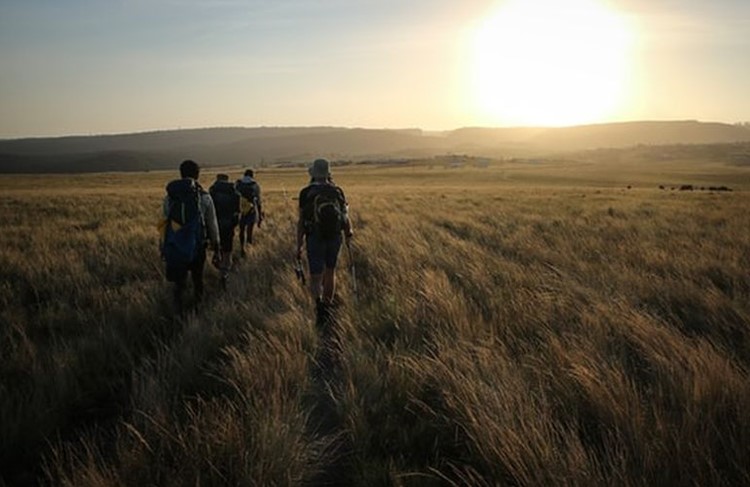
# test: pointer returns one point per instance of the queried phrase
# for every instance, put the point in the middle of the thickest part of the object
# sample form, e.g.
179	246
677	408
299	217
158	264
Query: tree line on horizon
271	145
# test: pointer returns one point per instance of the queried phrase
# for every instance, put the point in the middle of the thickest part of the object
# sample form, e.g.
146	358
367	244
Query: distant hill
643	133
270	145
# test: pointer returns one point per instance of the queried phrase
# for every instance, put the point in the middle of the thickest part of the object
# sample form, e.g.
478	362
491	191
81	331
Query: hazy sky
105	66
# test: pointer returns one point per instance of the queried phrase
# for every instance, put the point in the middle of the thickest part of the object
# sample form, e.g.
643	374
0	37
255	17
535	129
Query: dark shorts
248	219
322	253
226	235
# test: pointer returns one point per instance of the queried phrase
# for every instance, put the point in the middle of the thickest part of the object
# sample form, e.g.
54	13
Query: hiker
190	223
323	217
227	204
251	207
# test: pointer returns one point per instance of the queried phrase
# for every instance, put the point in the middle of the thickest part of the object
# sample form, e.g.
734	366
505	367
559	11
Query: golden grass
514	325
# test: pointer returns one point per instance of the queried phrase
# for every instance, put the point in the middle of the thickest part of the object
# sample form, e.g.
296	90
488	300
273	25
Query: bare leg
250	234
316	281
225	264
242	240
329	284
226	261
196	272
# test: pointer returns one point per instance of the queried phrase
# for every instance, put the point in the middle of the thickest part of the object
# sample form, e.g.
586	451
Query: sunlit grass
509	329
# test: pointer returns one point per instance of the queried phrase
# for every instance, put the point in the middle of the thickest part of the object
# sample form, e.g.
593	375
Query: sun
551	62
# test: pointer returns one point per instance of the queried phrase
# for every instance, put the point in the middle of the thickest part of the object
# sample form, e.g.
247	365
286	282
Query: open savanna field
520	324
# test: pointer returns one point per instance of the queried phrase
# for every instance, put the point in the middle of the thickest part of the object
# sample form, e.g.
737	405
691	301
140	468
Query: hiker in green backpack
227	204
189	224
323	218
251	211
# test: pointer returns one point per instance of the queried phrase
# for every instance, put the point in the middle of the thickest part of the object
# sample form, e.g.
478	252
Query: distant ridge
647	133
270	145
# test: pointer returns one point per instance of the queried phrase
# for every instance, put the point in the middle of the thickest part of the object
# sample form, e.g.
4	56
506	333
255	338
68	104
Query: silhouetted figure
189	225
227	204
251	208
323	223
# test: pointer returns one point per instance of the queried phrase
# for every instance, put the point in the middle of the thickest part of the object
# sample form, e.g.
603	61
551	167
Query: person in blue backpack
190	224
323	220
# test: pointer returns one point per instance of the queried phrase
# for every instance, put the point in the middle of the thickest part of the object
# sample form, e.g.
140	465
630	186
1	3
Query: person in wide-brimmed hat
323	220
320	169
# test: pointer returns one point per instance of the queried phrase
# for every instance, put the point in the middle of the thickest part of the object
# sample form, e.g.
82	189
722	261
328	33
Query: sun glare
551	62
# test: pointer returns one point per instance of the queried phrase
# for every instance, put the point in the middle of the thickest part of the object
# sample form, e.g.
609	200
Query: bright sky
108	66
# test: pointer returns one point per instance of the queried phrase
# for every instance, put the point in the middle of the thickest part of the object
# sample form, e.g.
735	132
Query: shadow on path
326	418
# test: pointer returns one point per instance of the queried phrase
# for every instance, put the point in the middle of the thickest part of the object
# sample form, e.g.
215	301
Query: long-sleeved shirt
207	211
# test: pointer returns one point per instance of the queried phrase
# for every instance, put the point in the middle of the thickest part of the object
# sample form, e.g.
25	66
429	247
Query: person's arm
236	211
300	224
259	204
257	195
209	217
300	234
348	231
163	222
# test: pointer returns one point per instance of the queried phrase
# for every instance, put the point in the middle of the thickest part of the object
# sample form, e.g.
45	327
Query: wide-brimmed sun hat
320	168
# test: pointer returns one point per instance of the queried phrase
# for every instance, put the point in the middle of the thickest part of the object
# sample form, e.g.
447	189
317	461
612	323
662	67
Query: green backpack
328	212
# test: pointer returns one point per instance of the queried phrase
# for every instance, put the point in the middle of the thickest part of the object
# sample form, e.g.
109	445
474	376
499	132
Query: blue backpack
184	233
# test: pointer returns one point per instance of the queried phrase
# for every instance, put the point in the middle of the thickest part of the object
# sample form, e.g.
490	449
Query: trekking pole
352	269
298	268
299	271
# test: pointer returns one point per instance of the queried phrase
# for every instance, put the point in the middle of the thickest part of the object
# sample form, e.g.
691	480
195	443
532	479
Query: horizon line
343	127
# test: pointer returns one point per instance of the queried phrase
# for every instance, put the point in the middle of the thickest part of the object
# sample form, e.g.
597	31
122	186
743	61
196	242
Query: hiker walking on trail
227	204
251	208
189	224
323	218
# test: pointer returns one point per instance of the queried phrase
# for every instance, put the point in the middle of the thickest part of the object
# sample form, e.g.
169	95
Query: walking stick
298	268
352	269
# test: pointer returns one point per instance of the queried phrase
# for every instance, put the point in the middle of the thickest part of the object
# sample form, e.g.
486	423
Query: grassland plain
520	324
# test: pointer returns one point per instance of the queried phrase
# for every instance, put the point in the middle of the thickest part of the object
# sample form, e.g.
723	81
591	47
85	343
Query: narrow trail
327	378
326	424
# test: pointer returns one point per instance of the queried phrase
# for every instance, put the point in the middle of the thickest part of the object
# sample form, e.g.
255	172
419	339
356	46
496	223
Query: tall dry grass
503	333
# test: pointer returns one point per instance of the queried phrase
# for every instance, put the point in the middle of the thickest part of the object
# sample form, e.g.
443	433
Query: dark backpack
184	233
226	202
327	212
249	195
